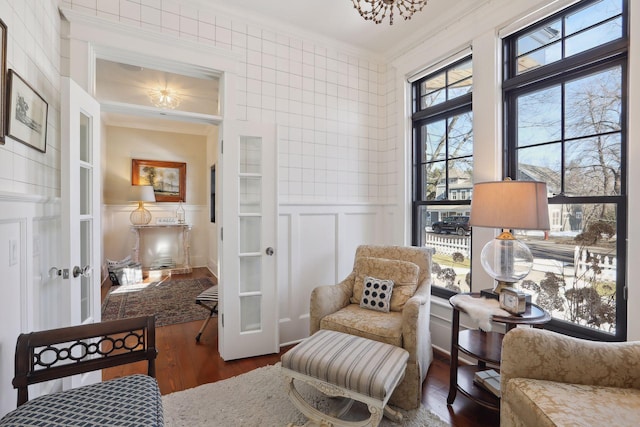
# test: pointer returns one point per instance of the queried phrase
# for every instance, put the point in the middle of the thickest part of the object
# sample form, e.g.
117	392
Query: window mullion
563	111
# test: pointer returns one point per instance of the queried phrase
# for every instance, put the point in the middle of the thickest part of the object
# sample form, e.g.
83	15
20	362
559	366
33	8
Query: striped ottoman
345	365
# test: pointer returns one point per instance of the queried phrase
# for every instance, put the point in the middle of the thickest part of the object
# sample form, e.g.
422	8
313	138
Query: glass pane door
86	214
248	232
250	220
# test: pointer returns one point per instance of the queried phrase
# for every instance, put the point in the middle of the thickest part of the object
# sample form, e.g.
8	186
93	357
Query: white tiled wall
330	105
29	187
33	52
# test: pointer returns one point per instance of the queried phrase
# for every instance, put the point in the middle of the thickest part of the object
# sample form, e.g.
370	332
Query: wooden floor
183	363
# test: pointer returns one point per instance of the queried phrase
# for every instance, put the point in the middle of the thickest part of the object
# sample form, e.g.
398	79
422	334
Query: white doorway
132	89
142	122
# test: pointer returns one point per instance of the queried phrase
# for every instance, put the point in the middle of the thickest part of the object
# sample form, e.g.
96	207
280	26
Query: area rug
259	399
172	301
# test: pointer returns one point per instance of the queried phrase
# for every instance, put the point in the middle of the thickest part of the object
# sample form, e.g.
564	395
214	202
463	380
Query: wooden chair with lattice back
58	353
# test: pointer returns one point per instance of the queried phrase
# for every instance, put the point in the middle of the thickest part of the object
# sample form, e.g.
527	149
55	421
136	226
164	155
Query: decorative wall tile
323	97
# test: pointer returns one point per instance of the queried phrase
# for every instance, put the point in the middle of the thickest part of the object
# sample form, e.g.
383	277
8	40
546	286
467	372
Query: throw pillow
404	275
376	294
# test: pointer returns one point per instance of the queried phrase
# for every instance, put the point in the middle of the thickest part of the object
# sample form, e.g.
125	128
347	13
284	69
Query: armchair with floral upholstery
549	379
406	324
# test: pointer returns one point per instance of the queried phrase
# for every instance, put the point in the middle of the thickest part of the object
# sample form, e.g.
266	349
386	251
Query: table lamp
508	205
141	194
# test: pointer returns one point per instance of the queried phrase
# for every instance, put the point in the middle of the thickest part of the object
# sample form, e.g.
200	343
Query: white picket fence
448	245
583	265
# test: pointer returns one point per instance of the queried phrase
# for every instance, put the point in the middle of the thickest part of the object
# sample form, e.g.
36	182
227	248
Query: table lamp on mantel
509	205
141	194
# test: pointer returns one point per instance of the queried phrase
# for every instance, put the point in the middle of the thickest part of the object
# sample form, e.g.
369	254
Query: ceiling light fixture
164	98
376	10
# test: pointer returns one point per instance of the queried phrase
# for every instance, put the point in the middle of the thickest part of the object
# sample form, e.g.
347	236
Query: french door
81	201
248	324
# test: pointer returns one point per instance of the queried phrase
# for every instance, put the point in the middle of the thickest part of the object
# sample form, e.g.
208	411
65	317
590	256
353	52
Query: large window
565	91
443	171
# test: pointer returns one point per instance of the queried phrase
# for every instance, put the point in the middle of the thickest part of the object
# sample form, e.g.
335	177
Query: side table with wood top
485	347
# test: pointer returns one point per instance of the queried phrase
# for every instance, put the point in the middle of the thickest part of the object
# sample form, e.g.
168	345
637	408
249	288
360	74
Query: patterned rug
171	300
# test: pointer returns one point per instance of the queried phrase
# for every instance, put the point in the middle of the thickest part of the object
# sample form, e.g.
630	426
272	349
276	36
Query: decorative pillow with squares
404	274
376	294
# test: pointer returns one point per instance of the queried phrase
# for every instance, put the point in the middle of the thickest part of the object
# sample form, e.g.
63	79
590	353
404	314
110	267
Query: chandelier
164	98
376	10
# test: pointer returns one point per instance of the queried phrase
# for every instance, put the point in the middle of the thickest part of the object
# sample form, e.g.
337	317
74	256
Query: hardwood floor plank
183	363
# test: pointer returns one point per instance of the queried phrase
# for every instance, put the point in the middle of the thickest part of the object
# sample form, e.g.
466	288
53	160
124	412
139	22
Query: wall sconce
507	204
141	194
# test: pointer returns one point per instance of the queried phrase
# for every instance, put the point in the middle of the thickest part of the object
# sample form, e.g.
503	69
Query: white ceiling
339	21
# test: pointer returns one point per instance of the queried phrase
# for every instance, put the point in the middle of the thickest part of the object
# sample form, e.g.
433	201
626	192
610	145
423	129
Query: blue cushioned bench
345	365
47	355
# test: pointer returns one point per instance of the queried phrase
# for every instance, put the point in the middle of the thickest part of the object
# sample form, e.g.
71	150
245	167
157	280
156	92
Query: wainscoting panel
316	251
356	228
29	226
316	246
12	304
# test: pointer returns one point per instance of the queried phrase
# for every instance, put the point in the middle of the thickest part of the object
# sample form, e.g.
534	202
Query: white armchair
406	325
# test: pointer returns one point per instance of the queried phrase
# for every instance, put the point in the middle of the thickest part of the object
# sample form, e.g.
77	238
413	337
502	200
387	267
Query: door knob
84	271
269	251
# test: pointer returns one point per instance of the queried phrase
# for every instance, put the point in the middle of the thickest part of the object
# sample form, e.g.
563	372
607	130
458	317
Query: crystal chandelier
164	98
376	10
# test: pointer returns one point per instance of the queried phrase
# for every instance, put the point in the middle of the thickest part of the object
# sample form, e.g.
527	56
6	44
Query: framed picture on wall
27	118
169	179
3	77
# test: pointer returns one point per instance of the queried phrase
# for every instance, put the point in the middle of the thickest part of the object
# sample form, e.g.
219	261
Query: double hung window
443	171
565	113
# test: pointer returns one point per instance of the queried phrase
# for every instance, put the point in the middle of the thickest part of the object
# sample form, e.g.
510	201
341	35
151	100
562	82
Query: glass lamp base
507	260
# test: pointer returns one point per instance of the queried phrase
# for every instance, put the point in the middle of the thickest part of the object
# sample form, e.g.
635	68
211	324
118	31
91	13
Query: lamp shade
142	193
509	204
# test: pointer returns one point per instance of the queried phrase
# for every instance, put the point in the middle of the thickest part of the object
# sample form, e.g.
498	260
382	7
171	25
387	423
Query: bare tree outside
575	279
